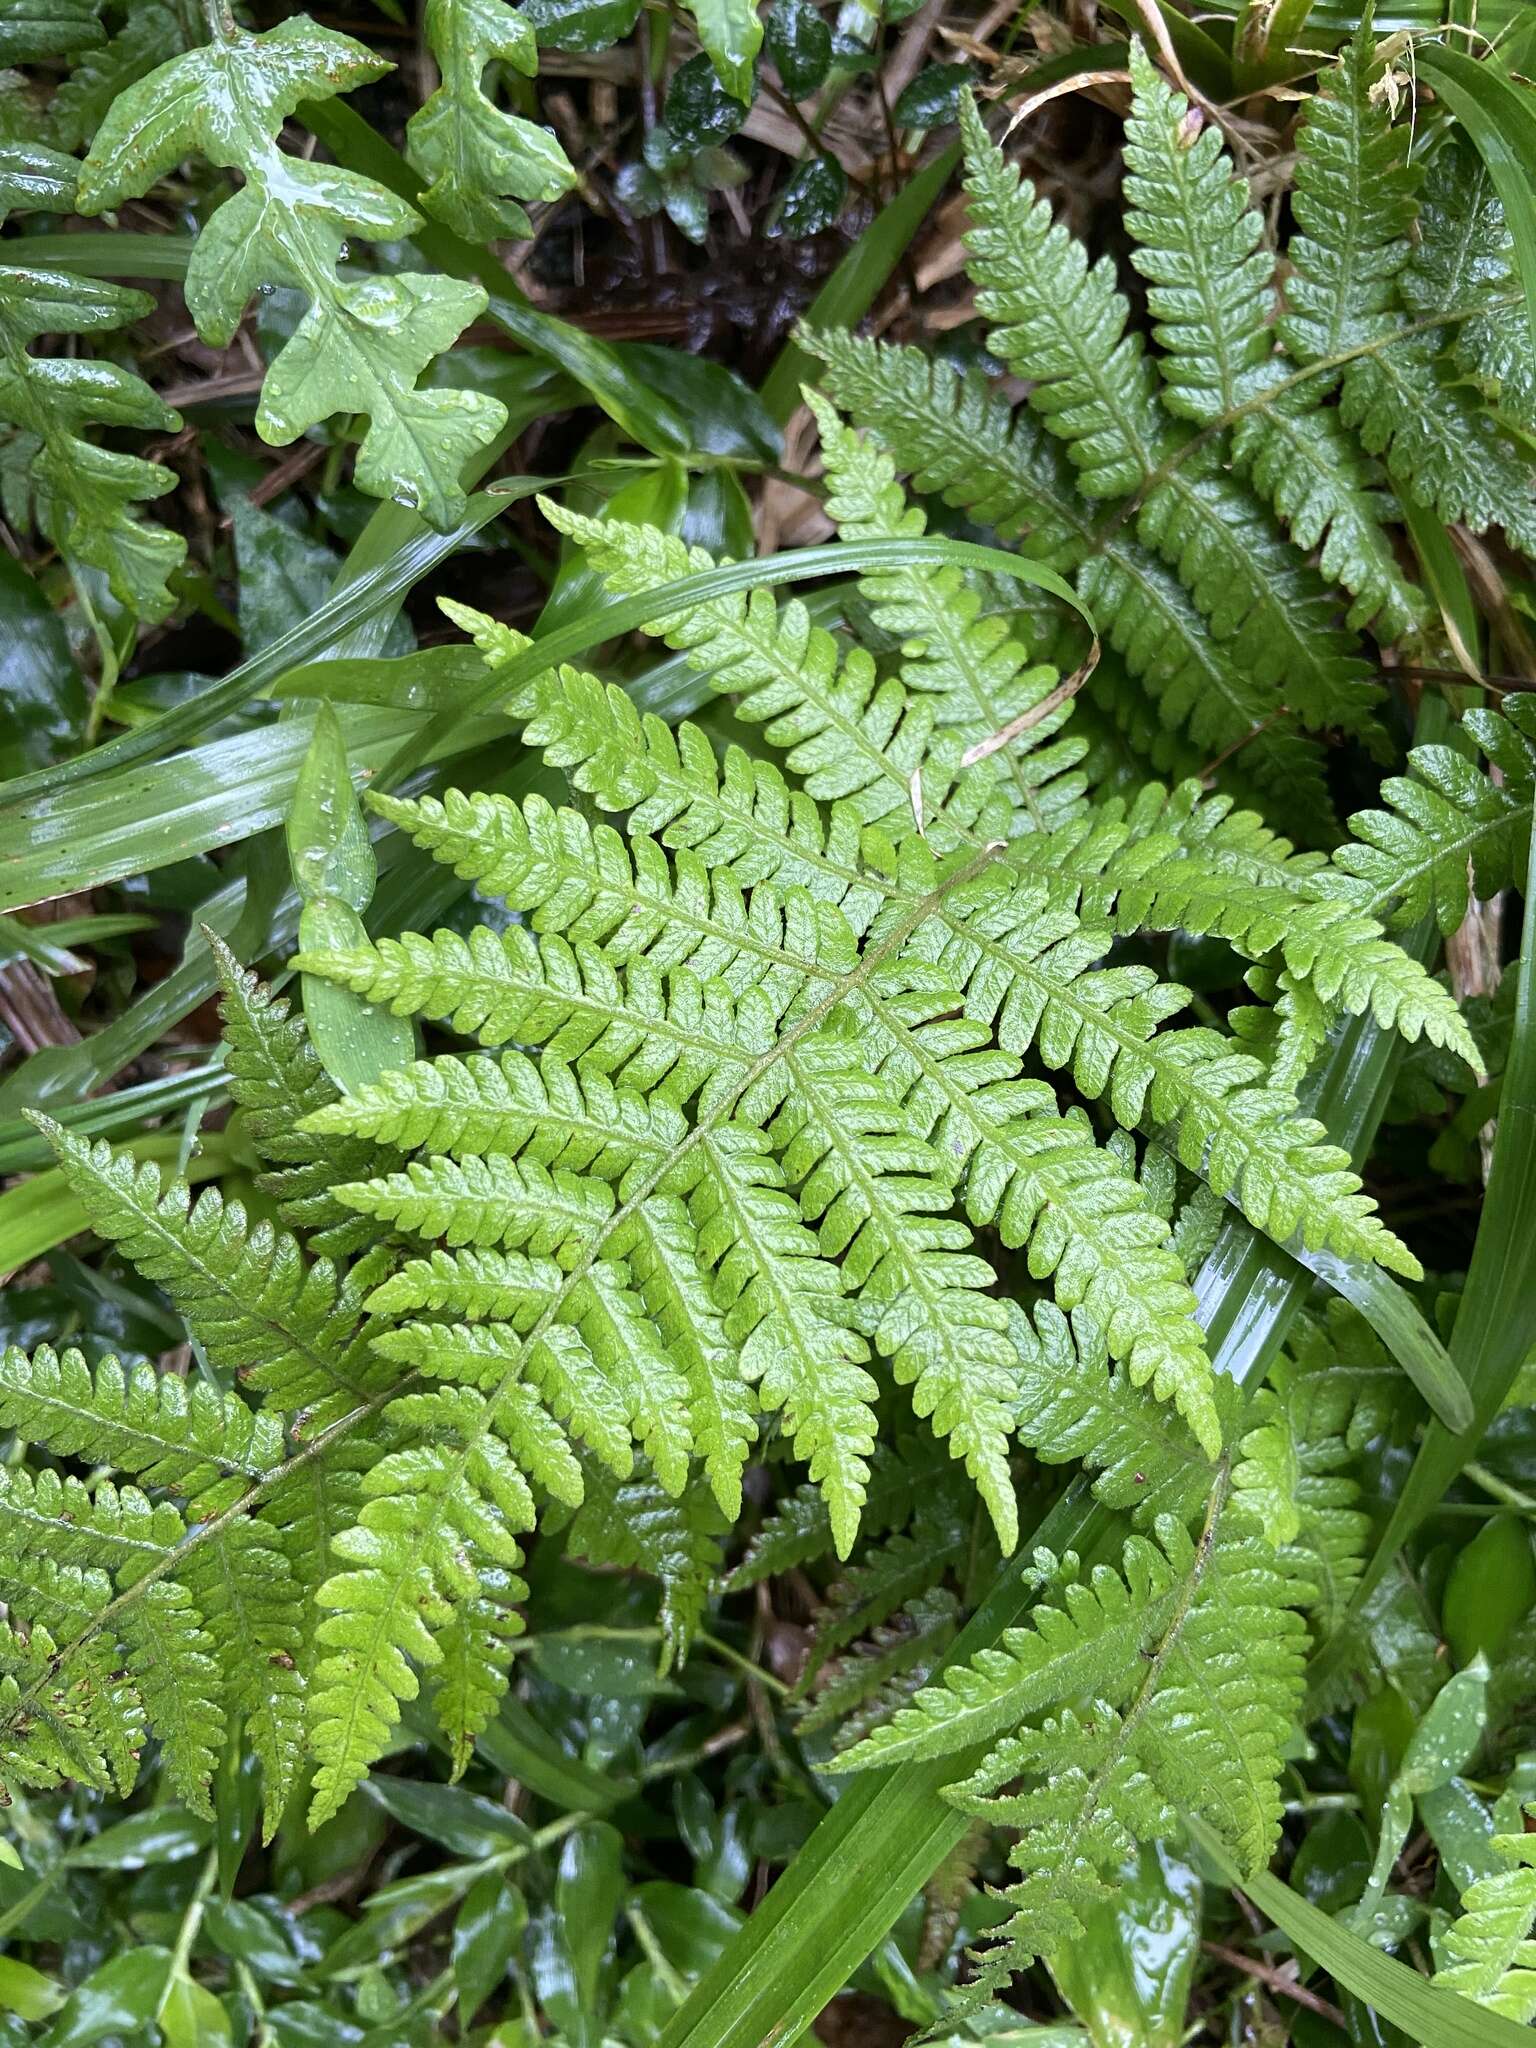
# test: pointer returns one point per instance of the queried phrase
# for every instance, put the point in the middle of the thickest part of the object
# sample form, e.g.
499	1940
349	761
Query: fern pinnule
248	1293
202	1445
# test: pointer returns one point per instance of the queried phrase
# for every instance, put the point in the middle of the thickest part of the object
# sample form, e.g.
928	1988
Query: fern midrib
187	1450
1158	1658
217	1284
206	1532
1261	403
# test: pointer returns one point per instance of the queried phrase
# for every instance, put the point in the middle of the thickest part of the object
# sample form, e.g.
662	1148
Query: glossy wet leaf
362	344
42	689
1129	1979
732	35
813	198
487	1934
800	44
479	159
335	872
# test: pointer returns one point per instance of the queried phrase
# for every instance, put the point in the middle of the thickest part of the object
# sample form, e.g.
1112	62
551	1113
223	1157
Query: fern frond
786	1309
904	1566
736	812
108	1528
510	1106
967	661
1072	1407
1449	829
659	1244
1355	201
846	734
475	1286
800	1529
1491	1944
207	1447
1465	257
246	1290
475	1648
961	439
1212	295
911	1641
1026	969
672	1536
879	1195
1064	331
1061	321
664	1034
250	1603
496	1201
430	1511
66	1718
277	1079
171	1660
1189	1715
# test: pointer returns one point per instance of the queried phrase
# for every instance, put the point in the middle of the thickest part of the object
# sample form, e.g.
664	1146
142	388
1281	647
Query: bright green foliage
1448	828
1191	1666
277	1081
471	151
363	342
85	495
1488	1953
205	1447
249	1295
1219	618
1355	202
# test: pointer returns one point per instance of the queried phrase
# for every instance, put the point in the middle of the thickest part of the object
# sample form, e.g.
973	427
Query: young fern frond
1212	297
86	495
1356	199
363	342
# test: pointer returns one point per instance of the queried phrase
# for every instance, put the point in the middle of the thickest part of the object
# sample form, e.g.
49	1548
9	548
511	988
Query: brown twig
1275	1979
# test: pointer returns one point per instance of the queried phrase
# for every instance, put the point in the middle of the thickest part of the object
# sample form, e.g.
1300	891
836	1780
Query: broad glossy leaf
363	343
473	152
33	29
800	44
732	35
40	686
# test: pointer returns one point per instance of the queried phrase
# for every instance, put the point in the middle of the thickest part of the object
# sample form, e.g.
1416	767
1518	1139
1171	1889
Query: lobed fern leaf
471	152
363	343
87	495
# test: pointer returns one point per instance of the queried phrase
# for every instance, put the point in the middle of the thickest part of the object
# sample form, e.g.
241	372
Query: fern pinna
774	1092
